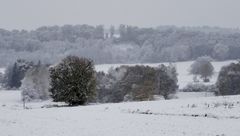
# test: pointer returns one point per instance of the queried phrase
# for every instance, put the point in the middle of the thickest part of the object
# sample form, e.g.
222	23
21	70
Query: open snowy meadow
192	114
206	116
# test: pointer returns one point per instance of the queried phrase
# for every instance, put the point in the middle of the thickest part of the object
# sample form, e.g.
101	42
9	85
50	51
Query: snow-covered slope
210	116
182	68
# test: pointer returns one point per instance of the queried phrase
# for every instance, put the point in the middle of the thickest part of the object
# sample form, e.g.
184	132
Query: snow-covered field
182	68
210	116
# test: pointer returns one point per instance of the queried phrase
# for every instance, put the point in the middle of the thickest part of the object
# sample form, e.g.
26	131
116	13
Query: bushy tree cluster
73	81
136	83
199	87
107	85
228	81
166	80
35	85
202	67
16	72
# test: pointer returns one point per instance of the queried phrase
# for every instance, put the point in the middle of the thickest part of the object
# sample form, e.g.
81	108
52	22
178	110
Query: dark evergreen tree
228	81
16	72
73	81
166	81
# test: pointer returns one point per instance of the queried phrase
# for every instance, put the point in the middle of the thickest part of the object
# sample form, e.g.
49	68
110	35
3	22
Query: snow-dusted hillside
182	68
212	116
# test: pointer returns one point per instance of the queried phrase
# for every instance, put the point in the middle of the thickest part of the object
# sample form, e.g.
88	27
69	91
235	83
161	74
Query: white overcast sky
30	14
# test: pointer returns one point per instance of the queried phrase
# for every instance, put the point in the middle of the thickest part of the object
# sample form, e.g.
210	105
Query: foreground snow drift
185	117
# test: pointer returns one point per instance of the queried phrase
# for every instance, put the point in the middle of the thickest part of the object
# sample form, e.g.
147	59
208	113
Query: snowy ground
182	68
211	116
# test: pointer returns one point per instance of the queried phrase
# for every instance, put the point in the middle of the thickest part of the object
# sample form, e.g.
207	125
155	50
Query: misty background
113	31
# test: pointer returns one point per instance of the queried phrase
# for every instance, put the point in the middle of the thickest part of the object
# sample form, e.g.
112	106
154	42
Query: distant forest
123	44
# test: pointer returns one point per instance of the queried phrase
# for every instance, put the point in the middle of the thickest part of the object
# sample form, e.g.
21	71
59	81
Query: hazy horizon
31	14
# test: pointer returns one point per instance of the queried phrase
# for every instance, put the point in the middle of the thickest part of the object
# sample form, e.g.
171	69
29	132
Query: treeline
138	83
75	81
123	44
